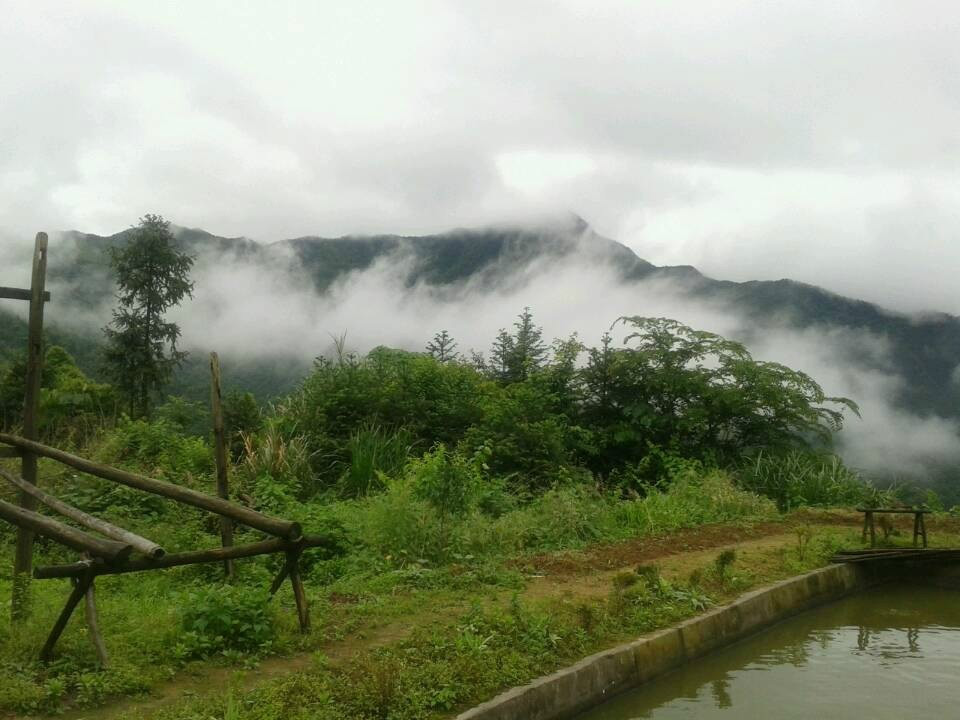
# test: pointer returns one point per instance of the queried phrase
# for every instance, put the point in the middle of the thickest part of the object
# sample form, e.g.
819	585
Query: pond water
892	652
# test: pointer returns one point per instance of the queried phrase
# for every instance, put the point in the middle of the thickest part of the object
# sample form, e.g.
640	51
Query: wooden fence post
220	449
23	561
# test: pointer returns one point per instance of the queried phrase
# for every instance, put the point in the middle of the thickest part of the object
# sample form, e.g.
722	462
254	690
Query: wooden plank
220	453
140	544
195	557
272	526
64	534
9	293
23	557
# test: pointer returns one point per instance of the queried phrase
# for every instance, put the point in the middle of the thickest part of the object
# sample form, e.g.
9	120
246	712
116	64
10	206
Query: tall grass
373	452
798	478
398	525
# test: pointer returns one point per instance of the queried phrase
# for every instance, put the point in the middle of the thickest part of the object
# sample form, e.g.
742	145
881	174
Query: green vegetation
437	483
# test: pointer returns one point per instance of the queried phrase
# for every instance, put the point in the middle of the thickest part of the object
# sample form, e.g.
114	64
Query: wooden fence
115	550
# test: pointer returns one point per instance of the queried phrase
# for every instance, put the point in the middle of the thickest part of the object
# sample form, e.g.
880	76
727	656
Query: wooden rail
140	544
251	518
194	557
113	555
9	293
64	534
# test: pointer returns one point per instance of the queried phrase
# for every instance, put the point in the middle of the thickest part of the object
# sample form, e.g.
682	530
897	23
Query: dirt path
567	575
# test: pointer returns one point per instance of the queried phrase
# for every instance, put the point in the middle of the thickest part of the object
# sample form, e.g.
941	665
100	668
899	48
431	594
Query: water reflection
893	650
884	644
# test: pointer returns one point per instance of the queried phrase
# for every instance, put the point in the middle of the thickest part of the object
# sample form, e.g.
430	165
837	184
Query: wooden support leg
916	527
93	625
873	531
923	529
79	591
281	576
303	612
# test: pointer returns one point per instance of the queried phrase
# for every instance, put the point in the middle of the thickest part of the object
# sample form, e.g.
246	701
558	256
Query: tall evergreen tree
152	276
529	349
501	357
443	347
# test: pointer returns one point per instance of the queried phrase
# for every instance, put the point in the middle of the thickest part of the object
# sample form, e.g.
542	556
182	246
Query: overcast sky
819	141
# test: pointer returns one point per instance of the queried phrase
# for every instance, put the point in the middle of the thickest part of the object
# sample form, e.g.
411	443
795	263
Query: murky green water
889	653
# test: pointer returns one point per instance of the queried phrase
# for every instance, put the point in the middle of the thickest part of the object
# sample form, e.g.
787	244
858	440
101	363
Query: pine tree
502	351
152	276
443	347
598	378
529	350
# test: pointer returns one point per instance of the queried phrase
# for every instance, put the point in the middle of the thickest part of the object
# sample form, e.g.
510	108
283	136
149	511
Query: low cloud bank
251	312
248	313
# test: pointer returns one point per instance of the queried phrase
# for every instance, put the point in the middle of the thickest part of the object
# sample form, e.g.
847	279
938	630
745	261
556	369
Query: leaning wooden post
220	450
23	560
93	625
299	594
78	593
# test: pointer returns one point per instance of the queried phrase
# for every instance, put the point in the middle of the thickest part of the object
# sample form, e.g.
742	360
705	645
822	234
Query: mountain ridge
924	348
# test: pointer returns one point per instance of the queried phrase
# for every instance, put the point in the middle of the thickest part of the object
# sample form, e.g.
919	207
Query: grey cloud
293	119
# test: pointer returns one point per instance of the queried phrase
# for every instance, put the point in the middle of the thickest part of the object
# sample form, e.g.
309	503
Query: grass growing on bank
160	622
492	645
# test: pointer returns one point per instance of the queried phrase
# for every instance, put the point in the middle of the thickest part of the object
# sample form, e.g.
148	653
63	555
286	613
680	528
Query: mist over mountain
269	309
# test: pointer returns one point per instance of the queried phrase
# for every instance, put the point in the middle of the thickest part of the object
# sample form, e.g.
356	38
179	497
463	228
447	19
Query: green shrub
447	480
529	443
158	448
400	526
223	619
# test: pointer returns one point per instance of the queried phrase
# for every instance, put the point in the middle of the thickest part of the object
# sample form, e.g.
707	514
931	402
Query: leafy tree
388	390
152	276
71	405
530	444
701	395
443	347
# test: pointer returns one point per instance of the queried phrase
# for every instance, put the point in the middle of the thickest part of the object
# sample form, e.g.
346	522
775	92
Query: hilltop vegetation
427	477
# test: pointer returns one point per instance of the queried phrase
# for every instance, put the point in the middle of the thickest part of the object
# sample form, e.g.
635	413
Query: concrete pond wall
597	678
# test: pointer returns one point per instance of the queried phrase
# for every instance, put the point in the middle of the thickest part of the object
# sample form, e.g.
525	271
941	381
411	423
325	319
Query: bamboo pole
220	452
272	526
140	544
64	534
195	557
23	557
